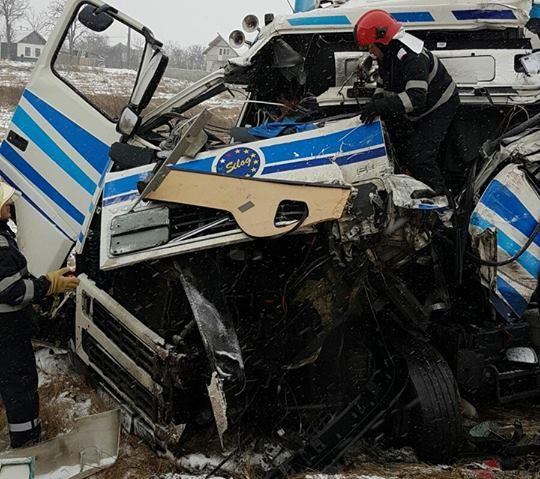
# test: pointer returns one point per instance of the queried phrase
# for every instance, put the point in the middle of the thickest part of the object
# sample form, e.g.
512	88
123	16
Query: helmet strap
383	48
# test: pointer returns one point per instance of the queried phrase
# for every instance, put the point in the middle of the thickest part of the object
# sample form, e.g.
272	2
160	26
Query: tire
430	418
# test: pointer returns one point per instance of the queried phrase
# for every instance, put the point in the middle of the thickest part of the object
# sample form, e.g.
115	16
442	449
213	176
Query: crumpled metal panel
219	336
510	207
403	186
22	468
219	405
91	446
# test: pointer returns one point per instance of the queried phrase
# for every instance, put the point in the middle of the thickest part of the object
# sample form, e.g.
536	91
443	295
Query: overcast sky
192	21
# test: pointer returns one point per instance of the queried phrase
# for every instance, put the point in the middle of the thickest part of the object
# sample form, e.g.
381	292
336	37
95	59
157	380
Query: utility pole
129	48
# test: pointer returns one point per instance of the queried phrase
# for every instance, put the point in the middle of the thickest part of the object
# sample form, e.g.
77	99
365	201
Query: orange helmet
375	26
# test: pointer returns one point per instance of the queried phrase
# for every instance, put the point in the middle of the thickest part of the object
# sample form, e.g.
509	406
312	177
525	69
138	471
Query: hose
490	145
484	262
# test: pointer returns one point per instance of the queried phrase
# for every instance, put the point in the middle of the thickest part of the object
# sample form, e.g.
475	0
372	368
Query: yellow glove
61	283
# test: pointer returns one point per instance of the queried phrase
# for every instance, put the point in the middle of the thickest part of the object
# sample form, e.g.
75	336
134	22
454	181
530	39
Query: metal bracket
139	230
189	145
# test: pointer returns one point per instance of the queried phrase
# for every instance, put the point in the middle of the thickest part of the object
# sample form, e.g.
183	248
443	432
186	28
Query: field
106	86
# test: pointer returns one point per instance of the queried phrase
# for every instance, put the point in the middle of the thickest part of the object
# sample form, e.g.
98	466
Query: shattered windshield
224	104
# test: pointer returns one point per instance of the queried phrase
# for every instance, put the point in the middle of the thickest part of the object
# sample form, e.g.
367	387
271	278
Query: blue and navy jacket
415	84
18	288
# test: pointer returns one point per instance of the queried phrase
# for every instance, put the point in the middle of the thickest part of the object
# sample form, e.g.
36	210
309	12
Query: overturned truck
297	285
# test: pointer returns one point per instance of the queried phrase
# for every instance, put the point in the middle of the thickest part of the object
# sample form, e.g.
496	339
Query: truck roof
415	15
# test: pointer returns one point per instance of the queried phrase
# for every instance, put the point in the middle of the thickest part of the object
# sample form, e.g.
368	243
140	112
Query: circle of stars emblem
240	161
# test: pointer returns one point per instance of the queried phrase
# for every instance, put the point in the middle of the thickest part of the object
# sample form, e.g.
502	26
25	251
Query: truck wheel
430	419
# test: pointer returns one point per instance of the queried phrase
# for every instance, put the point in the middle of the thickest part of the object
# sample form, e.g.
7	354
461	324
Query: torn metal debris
90	447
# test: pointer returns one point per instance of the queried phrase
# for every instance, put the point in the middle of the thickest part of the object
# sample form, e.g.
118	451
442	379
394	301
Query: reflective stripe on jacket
18	288
415	84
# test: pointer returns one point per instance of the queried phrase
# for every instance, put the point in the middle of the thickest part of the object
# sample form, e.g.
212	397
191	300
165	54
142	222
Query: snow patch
342	476
198	463
73	406
173	475
5	118
51	362
65	472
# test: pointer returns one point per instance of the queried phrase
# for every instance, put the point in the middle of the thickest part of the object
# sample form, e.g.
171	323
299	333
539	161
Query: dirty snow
199	462
14	74
51	362
67	472
54	369
73	407
341	476
108	82
5	117
117	82
174	475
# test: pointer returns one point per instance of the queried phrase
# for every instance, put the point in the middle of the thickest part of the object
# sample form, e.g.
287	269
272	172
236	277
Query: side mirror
128	123
96	19
149	78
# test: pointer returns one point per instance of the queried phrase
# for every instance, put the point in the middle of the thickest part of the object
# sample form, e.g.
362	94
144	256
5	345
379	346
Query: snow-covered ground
5	117
14	74
107	82
117	82
65	397
109	87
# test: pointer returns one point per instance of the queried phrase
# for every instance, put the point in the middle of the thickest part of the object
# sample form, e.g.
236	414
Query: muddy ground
65	395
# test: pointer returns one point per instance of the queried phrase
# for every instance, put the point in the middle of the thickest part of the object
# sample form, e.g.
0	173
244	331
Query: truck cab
229	252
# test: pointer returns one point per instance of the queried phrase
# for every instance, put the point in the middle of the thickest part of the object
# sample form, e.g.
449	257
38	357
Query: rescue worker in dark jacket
18	290
415	96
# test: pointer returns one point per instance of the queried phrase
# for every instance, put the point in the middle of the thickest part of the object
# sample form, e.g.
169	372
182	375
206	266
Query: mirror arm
105	9
149	37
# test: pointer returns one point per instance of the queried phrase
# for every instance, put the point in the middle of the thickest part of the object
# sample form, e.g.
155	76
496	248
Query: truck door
96	62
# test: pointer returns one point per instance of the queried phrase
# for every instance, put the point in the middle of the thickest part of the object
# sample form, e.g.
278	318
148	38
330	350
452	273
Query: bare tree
37	20
76	31
11	11
195	57
191	58
177	55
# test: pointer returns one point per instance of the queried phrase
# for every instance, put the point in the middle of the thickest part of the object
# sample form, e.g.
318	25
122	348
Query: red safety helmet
375	26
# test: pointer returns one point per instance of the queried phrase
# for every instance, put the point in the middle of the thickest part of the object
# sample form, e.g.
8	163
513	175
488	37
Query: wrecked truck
297	287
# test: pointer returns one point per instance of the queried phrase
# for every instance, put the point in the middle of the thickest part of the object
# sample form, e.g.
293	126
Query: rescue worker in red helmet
18	290
415	96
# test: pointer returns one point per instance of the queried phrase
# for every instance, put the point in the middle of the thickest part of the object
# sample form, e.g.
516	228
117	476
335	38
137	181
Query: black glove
308	107
374	108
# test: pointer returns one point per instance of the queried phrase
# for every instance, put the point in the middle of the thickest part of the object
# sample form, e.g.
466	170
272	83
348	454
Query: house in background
218	53
120	56
26	46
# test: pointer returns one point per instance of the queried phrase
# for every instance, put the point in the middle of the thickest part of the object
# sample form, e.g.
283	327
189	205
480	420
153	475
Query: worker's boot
26	438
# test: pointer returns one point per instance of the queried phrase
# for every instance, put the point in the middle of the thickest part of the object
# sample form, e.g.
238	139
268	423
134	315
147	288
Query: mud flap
91	446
